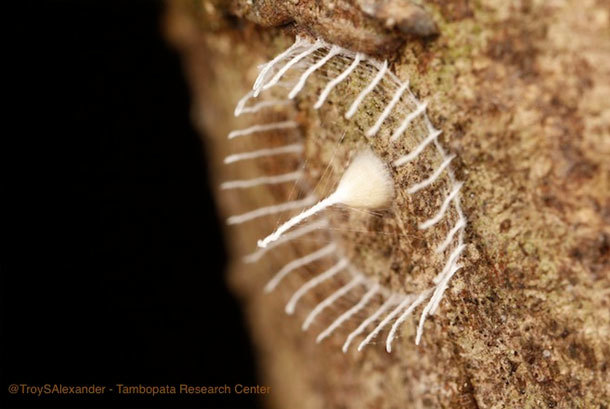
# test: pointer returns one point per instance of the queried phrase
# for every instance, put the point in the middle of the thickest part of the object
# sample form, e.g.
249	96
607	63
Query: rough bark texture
521	90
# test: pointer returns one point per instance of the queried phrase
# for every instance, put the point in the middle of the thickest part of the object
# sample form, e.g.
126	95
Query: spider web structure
386	110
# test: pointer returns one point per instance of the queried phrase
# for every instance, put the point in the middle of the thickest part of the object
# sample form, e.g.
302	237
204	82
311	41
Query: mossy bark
521	90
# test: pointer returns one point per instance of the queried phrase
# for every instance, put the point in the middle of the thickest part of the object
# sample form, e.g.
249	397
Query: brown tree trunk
521	90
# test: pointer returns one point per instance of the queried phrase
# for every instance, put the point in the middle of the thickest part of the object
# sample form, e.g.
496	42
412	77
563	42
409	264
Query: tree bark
521	90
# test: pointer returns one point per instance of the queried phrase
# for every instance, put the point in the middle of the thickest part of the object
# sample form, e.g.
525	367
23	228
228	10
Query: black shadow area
113	271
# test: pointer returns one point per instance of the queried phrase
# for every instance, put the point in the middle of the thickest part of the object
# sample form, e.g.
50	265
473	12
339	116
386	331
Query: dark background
112	271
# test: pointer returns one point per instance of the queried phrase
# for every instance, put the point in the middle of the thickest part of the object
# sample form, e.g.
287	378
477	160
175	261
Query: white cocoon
366	183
